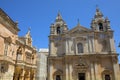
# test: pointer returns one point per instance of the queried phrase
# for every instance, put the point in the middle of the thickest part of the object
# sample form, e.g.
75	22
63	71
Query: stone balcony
23	63
6	58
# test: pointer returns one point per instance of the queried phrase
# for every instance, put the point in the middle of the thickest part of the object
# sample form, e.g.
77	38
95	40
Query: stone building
42	64
17	55
82	53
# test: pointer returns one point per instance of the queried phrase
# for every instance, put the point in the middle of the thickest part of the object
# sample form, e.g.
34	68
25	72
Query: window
58	30
6	49
100	26
2	68
58	77
80	47
107	77
19	56
28	57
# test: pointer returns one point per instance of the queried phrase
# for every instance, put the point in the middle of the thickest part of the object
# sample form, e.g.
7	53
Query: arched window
100	26
58	30
80	47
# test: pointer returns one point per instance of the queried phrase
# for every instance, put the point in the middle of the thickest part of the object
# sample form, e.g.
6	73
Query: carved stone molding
114	59
81	65
8	39
95	58
81	39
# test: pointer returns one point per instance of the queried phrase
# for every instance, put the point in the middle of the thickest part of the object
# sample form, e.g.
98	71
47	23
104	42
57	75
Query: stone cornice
9	20
7	59
26	46
25	64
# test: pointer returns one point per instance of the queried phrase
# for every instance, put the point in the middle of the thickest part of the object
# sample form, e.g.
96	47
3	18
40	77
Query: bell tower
103	33
99	23
57	30
59	27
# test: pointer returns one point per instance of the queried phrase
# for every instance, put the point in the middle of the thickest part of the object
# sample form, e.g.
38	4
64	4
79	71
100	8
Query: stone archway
27	75
58	75
107	74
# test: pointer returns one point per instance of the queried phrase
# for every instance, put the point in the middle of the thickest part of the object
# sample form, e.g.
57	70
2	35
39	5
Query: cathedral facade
82	53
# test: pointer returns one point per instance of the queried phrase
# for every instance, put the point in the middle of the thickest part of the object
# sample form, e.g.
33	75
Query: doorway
107	77
81	76
58	77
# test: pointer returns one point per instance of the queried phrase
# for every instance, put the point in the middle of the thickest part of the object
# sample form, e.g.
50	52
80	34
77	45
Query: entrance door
81	76
107	77
58	77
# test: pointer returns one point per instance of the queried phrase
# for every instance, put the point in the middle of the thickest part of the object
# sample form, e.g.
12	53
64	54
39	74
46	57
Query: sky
40	14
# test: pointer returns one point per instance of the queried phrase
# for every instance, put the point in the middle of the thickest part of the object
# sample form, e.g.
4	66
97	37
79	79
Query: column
97	76
116	68
116	71
70	70
28	76
33	76
92	71
66	46
88	45
112	46
66	71
88	75
50	72
22	75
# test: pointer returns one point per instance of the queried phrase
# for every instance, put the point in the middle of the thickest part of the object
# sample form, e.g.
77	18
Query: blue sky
39	14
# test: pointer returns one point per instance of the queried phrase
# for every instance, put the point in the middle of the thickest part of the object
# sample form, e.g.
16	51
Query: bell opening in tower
58	30
100	26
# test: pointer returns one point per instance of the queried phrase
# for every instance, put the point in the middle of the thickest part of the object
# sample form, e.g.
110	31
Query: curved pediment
107	71
83	38
58	72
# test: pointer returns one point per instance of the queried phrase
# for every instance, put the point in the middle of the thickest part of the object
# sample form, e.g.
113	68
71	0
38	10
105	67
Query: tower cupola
59	27
99	23
98	14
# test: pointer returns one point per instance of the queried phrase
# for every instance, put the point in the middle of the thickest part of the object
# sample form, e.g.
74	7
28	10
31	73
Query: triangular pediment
79	29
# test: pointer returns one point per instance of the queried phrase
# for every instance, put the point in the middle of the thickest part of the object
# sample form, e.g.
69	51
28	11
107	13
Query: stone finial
78	23
59	17
98	14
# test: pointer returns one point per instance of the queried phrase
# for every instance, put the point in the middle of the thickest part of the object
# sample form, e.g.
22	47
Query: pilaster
70	69
92	71
116	68
66	69
50	73
22	75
